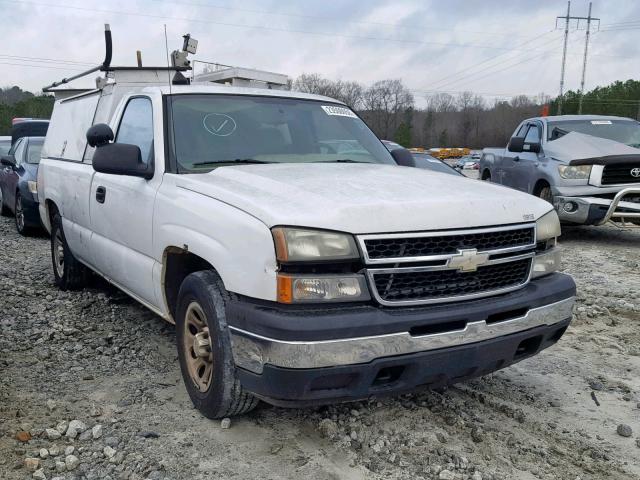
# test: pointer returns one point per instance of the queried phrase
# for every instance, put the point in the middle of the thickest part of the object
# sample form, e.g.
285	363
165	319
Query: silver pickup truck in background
587	166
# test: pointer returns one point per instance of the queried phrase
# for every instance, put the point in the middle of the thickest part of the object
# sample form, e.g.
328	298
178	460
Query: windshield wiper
237	160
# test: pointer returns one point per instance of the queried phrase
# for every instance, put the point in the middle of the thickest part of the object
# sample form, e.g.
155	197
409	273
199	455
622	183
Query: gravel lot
90	387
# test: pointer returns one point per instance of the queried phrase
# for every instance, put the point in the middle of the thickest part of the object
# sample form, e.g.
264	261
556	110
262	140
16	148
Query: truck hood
363	198
579	146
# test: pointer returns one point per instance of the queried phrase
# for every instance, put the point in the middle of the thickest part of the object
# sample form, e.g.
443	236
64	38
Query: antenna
170	103
166	47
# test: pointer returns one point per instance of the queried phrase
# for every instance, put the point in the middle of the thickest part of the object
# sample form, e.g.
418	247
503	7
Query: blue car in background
18	183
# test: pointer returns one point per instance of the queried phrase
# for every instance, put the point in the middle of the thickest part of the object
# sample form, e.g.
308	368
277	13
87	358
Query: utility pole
564	55
584	61
567	19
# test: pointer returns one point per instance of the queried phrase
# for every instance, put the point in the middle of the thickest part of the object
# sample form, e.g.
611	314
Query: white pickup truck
300	264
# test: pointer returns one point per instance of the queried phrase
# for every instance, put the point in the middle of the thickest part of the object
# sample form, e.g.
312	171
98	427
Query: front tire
204	348
68	272
486	176
4	211
21	227
545	194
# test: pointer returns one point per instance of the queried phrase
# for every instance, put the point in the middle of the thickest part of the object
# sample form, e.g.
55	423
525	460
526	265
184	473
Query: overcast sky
504	47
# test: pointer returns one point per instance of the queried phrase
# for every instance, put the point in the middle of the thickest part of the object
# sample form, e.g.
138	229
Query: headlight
580	172
546	263
293	288
548	227
304	245
547	259
33	187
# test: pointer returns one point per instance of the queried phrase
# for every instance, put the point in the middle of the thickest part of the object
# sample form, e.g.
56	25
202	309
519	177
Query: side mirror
403	157
121	159
8	161
516	144
532	147
100	134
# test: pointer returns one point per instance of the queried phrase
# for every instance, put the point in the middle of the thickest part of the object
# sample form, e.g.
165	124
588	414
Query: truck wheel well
486	174
540	184
178	263
52	209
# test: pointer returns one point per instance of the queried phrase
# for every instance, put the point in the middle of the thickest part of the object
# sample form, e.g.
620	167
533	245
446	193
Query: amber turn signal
285	289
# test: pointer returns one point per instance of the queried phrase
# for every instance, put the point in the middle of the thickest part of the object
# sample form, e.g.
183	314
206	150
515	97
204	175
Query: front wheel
4	211
68	272
486	176
19	215
546	194
204	348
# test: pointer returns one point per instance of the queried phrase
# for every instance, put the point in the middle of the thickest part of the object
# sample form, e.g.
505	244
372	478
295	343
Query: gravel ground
90	388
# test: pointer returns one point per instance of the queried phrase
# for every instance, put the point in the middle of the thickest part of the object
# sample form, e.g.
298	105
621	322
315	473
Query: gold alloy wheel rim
58	253
197	347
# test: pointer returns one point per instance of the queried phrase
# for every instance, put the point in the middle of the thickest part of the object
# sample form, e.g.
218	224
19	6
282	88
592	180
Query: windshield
34	150
216	130
623	131
430	163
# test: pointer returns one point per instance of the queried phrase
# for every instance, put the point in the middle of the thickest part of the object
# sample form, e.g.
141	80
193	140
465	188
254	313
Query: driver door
121	207
518	167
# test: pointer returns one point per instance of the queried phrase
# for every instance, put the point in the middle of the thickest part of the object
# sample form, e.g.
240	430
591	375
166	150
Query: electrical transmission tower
567	20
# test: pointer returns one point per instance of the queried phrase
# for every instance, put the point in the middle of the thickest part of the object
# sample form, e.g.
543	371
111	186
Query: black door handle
101	194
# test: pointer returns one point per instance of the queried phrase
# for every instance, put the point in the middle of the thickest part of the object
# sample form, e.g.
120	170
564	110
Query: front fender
237	245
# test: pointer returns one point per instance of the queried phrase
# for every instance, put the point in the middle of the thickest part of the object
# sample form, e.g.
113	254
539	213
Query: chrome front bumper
252	352
581	207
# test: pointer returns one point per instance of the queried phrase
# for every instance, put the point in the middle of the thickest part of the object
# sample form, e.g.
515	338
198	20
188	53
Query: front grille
400	247
402	286
620	173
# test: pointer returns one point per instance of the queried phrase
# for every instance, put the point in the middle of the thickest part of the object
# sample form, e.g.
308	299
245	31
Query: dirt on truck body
99	358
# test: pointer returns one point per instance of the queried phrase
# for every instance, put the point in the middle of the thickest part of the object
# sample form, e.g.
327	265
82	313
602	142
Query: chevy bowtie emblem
467	260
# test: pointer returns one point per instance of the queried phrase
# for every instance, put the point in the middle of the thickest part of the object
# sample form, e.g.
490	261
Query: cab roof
573	118
203	89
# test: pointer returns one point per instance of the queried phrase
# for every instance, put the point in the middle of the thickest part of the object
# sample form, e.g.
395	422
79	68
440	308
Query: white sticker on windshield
600	122
338	111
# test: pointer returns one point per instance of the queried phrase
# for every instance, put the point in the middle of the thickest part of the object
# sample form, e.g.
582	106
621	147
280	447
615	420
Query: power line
318	17
535	57
40	66
258	27
42	59
473	73
465	70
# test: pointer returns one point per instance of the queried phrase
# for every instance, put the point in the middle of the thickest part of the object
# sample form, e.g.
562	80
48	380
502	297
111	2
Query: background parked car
391	146
427	162
18	183
28	127
466	162
5	145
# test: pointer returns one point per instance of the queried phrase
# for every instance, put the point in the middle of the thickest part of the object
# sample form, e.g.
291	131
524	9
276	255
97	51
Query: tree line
16	103
389	108
462	120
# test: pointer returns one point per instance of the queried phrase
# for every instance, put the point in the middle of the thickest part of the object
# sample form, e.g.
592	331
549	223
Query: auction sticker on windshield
600	122
338	111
